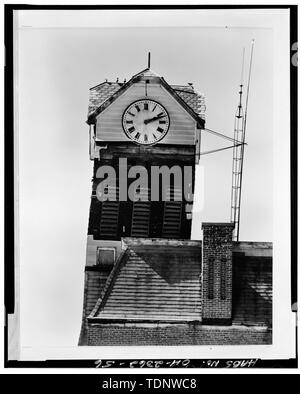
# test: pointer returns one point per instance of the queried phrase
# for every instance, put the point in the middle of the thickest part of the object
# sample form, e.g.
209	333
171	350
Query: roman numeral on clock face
145	121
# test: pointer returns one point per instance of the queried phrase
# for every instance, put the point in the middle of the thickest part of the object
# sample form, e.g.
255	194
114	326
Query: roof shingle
159	280
155	282
100	93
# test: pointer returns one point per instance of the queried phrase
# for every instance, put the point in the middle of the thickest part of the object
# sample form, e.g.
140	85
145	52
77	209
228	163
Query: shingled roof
154	281
105	91
159	280
252	284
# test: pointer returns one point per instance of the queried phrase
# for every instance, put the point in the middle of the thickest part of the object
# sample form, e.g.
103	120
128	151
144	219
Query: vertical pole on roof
243	139
237	159
238	153
149	59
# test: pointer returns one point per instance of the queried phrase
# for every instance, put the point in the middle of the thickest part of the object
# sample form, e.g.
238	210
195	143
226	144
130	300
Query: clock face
146	122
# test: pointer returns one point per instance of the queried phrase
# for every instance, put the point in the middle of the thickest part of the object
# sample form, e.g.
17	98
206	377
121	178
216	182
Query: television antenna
238	150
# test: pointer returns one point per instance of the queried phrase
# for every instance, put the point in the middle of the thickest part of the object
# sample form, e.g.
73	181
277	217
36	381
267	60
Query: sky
55	69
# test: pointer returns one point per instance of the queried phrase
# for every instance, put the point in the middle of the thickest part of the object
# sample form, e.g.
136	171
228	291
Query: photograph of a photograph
146	281
151	184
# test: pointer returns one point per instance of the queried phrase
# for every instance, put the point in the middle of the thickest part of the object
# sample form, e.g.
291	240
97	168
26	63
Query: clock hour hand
146	121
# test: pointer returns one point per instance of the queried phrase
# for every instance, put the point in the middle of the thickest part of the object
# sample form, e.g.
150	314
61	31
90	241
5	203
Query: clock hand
146	121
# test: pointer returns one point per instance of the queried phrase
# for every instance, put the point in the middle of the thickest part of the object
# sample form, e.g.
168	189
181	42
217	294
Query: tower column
217	273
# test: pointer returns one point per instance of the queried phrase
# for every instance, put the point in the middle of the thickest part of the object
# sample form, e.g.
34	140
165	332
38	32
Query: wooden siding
182	126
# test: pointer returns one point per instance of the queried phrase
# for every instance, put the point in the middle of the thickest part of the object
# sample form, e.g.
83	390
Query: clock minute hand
146	121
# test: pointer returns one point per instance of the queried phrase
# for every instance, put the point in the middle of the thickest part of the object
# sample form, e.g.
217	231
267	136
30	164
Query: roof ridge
107	82
148	69
99	84
136	78
183	103
109	282
182	90
147	287
192	89
199	93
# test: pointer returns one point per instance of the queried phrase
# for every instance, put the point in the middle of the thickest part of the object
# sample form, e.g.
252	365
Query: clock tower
144	144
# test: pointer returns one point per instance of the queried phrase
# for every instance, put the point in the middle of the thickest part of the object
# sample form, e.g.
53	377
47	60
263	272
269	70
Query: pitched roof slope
193	99
155	283
102	92
252	286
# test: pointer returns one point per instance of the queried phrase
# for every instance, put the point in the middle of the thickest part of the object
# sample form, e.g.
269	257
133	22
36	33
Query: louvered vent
110	216
141	216
172	217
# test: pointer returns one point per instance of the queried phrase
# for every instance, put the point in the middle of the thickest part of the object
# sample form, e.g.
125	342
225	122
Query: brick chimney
217	273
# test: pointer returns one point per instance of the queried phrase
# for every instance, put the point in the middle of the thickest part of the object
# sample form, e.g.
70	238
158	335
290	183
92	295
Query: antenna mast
238	151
